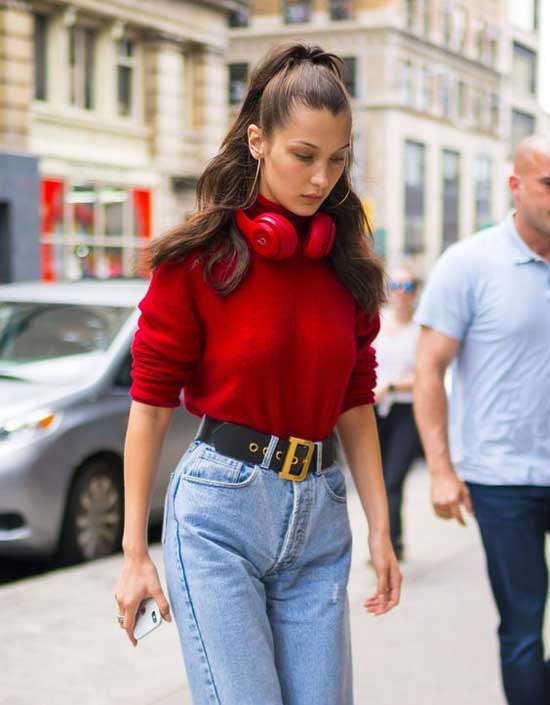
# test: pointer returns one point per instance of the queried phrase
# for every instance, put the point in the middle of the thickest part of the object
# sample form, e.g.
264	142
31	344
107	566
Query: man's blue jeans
257	570
513	521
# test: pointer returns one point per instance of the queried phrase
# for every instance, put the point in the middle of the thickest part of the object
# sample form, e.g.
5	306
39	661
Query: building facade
108	113
440	90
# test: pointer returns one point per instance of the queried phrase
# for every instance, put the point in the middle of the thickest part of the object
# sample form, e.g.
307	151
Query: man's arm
435	353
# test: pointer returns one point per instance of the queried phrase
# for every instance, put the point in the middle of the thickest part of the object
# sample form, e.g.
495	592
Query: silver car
64	403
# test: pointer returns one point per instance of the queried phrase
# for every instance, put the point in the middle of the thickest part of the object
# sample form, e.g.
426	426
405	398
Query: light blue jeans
257	570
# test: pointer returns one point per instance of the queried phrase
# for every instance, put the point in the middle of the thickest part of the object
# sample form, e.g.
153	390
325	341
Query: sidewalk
62	646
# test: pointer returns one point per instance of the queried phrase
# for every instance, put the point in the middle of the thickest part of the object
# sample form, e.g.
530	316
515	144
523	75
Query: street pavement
61	644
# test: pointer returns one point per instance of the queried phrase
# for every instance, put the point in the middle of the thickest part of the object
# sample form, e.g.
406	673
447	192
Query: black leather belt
291	458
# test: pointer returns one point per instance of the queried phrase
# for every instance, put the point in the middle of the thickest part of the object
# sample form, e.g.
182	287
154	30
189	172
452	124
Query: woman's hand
138	580
388	588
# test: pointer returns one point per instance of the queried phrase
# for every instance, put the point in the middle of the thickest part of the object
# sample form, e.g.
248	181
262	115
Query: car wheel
94	514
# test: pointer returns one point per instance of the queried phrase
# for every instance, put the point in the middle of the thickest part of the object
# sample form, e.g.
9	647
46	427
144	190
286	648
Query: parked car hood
20	397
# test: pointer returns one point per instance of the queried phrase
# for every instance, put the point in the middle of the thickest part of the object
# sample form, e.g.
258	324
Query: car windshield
55	343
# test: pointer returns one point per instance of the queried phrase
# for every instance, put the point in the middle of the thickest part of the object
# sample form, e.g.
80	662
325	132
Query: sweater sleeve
168	342
363	377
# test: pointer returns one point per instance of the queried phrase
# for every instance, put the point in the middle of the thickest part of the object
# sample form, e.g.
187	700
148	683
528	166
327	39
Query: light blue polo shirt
492	292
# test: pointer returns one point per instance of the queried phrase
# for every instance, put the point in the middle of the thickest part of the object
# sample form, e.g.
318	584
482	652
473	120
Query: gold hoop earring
251	193
340	202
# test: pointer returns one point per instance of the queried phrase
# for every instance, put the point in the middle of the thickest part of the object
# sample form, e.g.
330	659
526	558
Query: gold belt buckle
290	457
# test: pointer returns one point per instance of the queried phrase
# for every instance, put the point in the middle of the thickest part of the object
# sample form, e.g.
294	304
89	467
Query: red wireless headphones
273	236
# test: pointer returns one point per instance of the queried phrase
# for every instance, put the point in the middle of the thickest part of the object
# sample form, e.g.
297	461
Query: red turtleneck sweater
286	353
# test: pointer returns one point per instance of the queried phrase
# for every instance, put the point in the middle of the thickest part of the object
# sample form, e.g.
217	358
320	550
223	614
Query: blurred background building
110	110
442	91
108	113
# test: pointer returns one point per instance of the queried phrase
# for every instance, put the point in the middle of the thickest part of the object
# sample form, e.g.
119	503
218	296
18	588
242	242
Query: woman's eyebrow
314	146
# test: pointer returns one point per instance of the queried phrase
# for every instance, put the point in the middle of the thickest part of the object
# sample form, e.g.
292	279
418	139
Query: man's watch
391	388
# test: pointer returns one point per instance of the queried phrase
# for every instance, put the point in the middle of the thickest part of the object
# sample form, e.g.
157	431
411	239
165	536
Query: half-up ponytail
290	74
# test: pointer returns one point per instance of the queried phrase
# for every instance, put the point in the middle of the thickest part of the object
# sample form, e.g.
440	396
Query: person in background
396	352
487	309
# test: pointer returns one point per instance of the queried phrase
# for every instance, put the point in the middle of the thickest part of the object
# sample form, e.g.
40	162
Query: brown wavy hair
290	74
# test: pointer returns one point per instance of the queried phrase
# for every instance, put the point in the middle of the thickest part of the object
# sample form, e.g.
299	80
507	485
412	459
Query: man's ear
513	182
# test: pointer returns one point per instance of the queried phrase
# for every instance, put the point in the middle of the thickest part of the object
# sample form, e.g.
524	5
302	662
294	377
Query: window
477	106
445	95
414	197
40	56
82	207
350	75
460	23
480	39
81	66
297	11
483	187
426	16
406	84
237	82
524	69
523	125
425	94
461	100
410	13
125	76
238	18
123	377
93	230
447	25
341	9
495	111
524	14
451	199
493	37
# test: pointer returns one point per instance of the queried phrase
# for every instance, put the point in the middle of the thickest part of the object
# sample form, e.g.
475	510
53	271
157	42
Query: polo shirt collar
521	252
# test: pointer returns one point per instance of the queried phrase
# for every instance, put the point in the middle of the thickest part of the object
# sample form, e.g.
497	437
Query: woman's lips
312	197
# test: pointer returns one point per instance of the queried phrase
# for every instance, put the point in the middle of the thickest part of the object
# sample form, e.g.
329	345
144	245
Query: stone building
441	91
108	113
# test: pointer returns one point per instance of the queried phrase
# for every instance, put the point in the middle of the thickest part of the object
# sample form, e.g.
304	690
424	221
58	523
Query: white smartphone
148	618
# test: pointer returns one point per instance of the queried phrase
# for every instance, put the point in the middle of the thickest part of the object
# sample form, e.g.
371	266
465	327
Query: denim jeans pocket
165	512
217	470
334	482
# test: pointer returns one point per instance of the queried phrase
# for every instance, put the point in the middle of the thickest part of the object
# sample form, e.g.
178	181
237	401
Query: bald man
486	310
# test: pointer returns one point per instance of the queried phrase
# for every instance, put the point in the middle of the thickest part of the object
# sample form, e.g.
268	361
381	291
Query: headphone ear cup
320	237
270	235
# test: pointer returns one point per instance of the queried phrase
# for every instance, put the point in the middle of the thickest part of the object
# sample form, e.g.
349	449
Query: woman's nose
320	178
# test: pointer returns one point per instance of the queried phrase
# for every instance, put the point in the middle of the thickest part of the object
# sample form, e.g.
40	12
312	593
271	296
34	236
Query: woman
396	352
263	307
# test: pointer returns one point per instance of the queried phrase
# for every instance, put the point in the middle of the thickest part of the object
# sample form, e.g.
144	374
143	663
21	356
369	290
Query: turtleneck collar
264	205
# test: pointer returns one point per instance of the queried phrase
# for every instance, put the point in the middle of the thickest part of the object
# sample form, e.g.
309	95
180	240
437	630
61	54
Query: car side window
123	377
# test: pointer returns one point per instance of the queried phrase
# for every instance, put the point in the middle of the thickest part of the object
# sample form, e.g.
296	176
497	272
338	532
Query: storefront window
114	202
93	230
82	206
